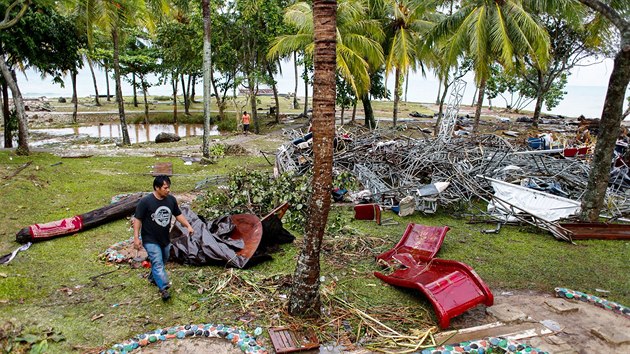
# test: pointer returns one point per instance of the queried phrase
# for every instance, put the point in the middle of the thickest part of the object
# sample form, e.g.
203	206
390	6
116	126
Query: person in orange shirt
245	121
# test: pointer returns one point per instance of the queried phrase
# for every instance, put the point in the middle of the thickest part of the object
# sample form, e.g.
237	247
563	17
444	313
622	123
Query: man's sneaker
165	295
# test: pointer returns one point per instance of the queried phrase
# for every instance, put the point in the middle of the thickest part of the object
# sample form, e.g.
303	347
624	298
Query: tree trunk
295	68
482	92
275	94
75	99
122	208
135	90
539	98
472	104
146	102
253	103
107	83
396	95
304	298
343	109
190	91
220	100
193	81
119	96
186	93
599	176
96	98
305	90
437	99
441	100
369	113
18	102
174	86
8	127
354	111
406	85
207	76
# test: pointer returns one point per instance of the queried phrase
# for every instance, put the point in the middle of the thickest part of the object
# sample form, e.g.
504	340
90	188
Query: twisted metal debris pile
392	166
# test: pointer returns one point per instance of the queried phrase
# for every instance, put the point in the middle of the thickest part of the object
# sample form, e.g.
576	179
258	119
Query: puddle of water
138	133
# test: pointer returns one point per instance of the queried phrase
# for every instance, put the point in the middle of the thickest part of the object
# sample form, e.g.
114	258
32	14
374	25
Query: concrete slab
552	344
506	313
562	306
611	335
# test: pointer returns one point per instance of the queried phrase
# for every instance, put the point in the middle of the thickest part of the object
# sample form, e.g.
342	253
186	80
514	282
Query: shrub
258	192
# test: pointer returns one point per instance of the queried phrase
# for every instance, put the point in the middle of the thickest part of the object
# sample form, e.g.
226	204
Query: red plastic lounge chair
452	287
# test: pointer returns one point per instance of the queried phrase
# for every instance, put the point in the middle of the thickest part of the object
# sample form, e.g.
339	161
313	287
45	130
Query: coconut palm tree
304	299
405	22
488	31
357	40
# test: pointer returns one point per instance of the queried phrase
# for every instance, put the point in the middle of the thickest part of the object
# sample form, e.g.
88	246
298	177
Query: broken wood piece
285	340
598	231
18	170
162	169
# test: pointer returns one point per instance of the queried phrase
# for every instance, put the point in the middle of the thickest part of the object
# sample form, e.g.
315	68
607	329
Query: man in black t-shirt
153	222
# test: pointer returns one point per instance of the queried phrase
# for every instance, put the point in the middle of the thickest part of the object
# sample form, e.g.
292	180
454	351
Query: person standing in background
245	120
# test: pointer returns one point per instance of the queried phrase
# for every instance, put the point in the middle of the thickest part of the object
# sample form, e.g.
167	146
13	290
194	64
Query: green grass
33	287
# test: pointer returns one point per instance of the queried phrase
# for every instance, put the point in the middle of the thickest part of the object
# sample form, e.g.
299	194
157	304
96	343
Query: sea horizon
587	100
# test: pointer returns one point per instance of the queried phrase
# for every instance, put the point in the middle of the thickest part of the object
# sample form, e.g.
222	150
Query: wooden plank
285	340
598	231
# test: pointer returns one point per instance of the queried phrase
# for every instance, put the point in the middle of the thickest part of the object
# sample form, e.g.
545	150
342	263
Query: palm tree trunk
119	96
305	299
472	104
396	95
135	89
295	68
354	111
75	99
482	92
18	102
107	83
599	176
368	111
207	76
406	85
8	127
174	86
96	98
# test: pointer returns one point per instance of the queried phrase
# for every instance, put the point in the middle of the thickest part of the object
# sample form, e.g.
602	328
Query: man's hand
137	244
191	231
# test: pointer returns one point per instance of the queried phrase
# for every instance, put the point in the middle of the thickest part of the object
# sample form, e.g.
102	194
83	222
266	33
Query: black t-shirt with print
156	215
